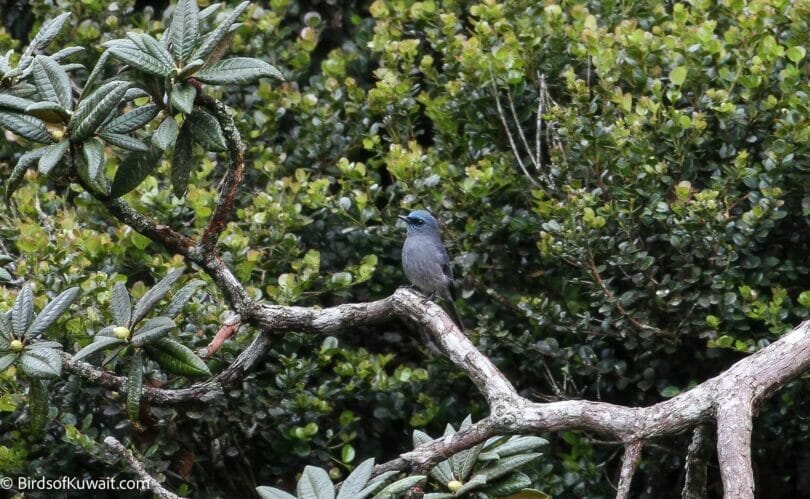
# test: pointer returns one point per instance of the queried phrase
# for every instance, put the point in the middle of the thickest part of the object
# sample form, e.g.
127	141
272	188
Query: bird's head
420	222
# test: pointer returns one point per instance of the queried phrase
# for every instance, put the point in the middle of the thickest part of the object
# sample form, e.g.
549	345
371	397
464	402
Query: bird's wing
447	270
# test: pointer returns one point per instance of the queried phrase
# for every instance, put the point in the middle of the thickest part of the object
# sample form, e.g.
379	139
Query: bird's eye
418	222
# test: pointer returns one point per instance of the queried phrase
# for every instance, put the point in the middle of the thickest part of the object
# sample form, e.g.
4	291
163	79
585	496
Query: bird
425	260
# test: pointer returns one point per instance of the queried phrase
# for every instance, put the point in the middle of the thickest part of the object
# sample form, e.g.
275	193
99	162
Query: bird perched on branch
425	261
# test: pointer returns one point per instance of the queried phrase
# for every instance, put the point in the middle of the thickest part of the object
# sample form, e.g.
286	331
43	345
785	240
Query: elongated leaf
509	485
190	68
133	169
153	48
99	343
93	110
140	59
400	486
41	362
315	484
50	112
266	492
177	358
52	156
473	483
182	159
52	311
69	68
154	329
23	311
207	131
442	472
218	35
6	361
66	52
438	495
131	120
134	386
518	444
155	294
509	464
464	464
52	82
14	103
184	28
180	298
238	70
44	37
46	344
91	168
121	305
376	483
182	97
22	89
6	330
22	165
124	141
37	405
355	482
25	126
210	10
166	133
97	71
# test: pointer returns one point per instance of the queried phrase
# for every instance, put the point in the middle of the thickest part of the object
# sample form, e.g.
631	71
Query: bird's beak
404	218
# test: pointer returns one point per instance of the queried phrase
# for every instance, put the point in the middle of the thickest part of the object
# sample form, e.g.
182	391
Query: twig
228	329
697	456
138	467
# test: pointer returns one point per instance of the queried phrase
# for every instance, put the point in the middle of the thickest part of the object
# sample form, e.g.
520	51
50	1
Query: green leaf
66	52
678	75
52	156
155	294
52	82
23	311
98	69
166	134
509	464
99	343
52	311
130	54
184	28
132	120
473	483
15	103
510	485
5	276
238	70
519	444
207	131
182	297
209	11
134	386
50	112
37	405
266	492
6	361
44	36
6	330
796	54
41	362
25	126
216	36
124	141
355	482
154	329
133	169
376	483
121	305
182	159
177	358
182	97
152	47
315	484
93	110
400	486
190	68
91	168
22	165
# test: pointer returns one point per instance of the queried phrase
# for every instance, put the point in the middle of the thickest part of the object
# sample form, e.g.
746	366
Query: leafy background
663	237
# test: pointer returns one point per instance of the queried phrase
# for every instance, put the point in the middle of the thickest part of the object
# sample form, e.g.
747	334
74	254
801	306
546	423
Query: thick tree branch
126	455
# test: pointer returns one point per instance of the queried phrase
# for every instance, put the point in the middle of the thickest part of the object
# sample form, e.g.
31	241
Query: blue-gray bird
425	261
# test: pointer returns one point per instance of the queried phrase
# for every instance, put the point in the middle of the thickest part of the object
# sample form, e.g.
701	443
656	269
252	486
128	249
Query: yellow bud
121	332
454	485
16	345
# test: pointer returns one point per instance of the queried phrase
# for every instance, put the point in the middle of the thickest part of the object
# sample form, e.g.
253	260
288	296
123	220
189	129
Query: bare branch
694	486
122	453
228	329
632	455
734	444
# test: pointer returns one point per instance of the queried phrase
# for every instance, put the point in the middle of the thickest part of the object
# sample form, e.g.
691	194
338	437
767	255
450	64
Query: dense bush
636	236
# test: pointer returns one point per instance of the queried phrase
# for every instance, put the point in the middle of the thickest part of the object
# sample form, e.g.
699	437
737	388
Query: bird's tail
451	307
